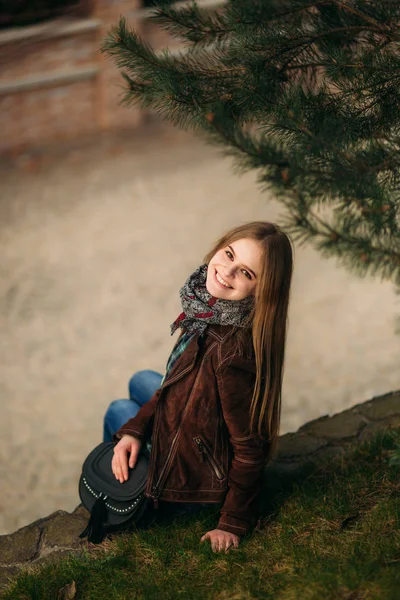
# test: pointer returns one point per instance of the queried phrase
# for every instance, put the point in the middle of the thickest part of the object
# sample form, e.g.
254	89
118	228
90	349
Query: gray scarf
201	308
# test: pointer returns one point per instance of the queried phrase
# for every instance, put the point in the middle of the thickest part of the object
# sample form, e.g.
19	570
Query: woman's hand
221	540
119	464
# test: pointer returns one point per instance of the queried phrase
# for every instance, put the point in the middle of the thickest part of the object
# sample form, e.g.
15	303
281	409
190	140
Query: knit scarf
200	308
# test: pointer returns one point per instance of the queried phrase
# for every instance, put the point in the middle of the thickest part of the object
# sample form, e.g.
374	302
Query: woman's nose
230	271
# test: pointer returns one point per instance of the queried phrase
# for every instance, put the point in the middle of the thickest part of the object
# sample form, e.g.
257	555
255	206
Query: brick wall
54	82
46	107
43	115
111	114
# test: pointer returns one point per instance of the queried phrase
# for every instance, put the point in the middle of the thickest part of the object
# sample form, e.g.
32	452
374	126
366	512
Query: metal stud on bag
119	510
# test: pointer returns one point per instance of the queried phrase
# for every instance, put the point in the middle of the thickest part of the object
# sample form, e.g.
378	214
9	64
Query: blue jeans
141	387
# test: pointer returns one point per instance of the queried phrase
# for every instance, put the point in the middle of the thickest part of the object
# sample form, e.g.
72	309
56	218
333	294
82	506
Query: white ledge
43	80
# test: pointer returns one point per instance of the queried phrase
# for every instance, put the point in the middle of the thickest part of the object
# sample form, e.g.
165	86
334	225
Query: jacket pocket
207	454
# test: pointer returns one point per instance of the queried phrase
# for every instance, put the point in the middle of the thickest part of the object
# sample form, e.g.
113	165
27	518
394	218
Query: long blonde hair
268	323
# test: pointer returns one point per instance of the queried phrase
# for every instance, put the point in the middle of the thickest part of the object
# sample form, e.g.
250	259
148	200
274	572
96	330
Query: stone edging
314	443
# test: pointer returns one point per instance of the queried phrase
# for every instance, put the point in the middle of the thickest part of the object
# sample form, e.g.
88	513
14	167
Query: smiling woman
232	270
218	422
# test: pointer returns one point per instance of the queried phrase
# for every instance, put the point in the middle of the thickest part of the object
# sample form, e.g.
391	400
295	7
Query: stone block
346	424
298	444
381	407
283	470
372	428
62	531
20	546
328	453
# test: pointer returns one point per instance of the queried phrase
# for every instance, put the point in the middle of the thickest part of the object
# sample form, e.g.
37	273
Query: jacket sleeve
141	424
236	379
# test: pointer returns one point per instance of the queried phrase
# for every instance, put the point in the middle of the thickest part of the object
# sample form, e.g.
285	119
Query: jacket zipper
156	488
205	452
152	457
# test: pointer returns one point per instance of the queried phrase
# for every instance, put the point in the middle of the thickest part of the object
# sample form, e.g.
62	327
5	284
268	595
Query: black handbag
113	506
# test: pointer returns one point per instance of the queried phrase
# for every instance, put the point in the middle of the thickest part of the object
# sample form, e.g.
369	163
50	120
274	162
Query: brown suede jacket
199	423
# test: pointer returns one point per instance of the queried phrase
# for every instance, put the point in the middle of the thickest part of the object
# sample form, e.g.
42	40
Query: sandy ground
95	245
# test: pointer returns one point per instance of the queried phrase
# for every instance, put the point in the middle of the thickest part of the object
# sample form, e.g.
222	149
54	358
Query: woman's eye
243	270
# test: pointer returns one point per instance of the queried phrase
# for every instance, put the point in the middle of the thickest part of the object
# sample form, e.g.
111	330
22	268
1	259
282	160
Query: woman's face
239	265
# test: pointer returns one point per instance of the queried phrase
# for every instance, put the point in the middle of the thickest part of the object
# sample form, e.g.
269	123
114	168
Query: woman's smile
226	287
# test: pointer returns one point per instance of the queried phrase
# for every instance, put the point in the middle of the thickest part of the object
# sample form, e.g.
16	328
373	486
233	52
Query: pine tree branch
118	43
323	64
315	5
231	140
358	13
352	91
321	82
303	42
303	8
209	25
301	225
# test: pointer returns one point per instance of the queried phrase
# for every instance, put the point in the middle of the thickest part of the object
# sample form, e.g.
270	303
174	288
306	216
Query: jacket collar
219	332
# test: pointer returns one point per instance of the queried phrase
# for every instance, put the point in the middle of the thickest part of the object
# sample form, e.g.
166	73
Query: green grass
333	534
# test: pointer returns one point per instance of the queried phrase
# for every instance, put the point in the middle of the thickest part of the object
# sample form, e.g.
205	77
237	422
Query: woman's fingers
116	468
133	455
120	464
220	540
123	464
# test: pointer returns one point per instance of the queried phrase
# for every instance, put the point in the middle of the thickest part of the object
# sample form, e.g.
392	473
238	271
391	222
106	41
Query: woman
213	419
